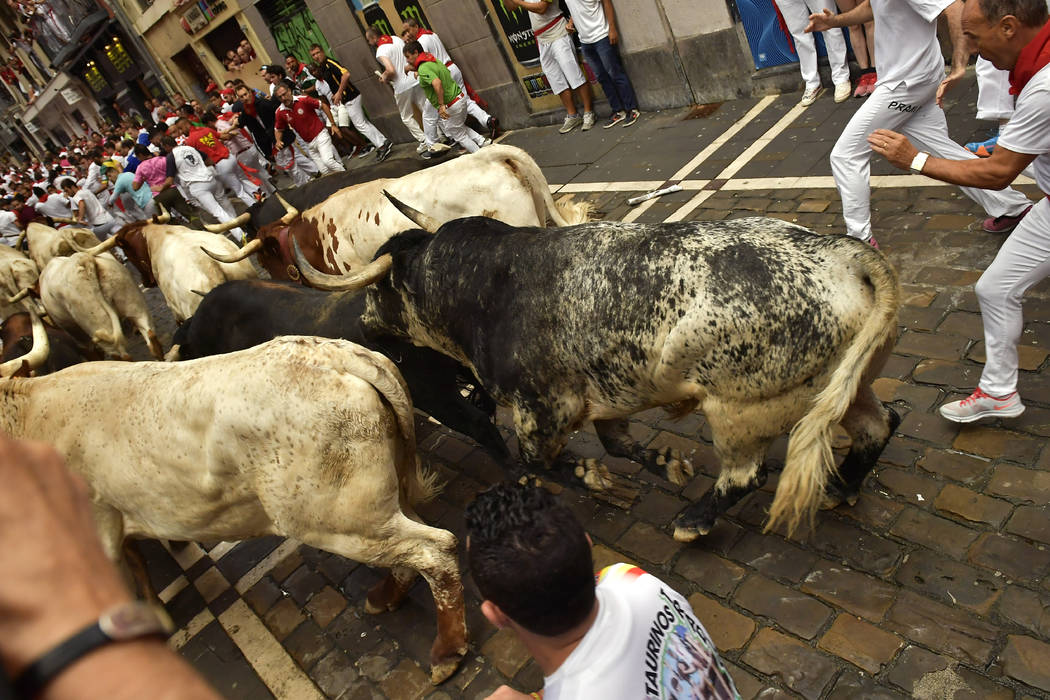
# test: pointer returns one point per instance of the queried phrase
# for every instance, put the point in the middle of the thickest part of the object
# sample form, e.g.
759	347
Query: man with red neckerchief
447	98
1014	35
228	169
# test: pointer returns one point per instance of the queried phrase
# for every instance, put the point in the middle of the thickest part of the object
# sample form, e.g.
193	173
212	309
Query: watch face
130	620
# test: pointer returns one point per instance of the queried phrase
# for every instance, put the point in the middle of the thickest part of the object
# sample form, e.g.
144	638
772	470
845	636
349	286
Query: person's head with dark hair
531	560
39	191
1000	29
167	143
142	153
187	110
127	143
413	47
372	35
209	116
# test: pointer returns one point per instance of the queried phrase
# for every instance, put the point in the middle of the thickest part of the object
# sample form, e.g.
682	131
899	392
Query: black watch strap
122	622
33	679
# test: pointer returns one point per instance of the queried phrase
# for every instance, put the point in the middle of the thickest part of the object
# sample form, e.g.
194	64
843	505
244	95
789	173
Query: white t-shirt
645	643
9	231
588	17
1028	130
395	53
548	24
190	166
56	206
94	214
906	47
431	43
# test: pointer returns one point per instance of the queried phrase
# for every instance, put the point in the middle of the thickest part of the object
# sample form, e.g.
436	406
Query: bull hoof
385	596
606	486
835	496
441	671
678	471
685	531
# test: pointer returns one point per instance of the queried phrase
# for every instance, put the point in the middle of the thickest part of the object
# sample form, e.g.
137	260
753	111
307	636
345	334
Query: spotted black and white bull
243	313
767	326
309	438
343	232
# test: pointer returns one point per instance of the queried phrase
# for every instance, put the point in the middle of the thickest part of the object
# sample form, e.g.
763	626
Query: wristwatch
120	623
919	161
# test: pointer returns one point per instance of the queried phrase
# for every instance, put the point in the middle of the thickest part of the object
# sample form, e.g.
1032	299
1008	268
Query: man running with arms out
446	97
1014	35
907	97
631	636
301	113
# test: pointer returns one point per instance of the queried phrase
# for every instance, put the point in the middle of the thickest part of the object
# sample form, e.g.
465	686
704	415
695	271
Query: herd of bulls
288	410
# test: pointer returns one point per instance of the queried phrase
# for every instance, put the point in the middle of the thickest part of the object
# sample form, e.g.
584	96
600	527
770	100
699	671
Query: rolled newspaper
652	195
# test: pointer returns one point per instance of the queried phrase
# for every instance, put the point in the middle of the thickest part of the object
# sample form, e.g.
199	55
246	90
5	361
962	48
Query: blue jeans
604	60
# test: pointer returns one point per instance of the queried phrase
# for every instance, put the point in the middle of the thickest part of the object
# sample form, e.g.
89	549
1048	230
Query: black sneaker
615	119
427	155
632	117
365	150
384	151
493	127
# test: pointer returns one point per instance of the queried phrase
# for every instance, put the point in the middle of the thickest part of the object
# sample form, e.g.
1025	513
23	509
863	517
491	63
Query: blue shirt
133	164
142	196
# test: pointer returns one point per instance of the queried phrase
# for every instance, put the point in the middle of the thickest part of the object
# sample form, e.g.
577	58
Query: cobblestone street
932	586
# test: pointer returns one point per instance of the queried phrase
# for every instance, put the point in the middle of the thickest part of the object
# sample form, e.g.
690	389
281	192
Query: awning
50	92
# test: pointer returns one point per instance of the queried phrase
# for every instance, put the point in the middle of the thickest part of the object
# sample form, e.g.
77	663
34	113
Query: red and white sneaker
980	405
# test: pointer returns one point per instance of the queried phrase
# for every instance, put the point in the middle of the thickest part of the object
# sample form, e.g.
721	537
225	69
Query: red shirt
301	116
206	140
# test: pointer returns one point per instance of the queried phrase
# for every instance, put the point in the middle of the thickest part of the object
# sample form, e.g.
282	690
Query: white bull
89	295
172	258
17	273
46	243
308	438
343	232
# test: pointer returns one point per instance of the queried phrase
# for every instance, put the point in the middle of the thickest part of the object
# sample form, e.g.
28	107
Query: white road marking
723	138
760	143
263	567
173	589
271	662
191	630
687	208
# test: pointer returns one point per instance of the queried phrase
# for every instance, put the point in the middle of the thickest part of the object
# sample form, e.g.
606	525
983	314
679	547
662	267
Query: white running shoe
980	405
588	120
843	91
810	96
571	122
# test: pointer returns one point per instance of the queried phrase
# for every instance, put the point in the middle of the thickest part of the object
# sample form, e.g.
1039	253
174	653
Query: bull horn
64	220
423	221
18	242
290	212
36	356
336	283
241	254
18	297
102	247
164	216
228	225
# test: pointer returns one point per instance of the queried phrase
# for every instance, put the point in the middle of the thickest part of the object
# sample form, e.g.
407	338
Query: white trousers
252	157
210	197
1023	260
354	114
323	154
405	99
458	131
796	15
994	101
911	110
473	109
233	177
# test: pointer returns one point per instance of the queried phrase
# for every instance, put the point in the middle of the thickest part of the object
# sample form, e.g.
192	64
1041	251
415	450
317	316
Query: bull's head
371	272
35	358
270	242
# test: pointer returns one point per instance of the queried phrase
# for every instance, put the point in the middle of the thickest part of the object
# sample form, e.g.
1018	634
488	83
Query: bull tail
418	485
565	213
809	461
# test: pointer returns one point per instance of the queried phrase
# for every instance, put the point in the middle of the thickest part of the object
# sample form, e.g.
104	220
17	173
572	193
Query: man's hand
335	130
614	36
948	83
279	145
893	147
819	22
57	579
569	26
443	111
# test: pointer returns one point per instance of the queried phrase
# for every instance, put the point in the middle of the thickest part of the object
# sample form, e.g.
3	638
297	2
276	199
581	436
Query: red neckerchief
423	58
1031	60
423	31
385	39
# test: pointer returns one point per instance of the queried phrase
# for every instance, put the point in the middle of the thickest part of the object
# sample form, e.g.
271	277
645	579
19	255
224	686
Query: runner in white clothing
199	181
907	97
631	636
433	45
390	53
1014	35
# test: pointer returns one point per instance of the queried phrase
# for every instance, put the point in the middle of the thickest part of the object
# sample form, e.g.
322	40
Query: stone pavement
932	586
